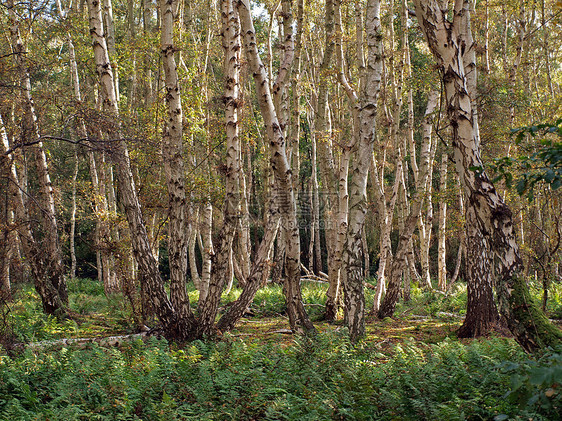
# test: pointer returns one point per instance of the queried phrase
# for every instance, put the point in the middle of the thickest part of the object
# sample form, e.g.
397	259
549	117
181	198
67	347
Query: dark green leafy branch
543	165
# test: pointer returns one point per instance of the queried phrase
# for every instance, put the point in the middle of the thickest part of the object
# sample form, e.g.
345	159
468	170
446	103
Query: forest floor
428	317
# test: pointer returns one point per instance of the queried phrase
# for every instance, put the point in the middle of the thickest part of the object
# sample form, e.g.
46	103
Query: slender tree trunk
462	243
328	171
222	269
442	237
7	225
172	151
175	327
73	218
486	40
51	248
399	261
546	50
316	262
354	297
110	40
293	131
109	235
191	249
258	274
6	253
298	318
102	232
279	258
244	245
207	250
386	216
50	297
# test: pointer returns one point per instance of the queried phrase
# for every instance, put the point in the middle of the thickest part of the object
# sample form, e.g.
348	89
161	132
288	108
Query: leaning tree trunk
50	298
174	326
51	247
298	317
448	40
258	273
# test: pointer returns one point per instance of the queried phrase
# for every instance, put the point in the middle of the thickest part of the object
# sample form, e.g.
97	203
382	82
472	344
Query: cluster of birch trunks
347	96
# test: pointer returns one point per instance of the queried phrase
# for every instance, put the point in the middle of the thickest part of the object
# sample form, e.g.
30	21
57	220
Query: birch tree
399	260
54	270
450	40
354	298
172	151
298	317
231	213
174	326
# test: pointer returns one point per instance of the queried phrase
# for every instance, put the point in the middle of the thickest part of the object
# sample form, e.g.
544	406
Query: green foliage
435	304
321	378
29	323
535	384
318	378
270	300
542	165
105	315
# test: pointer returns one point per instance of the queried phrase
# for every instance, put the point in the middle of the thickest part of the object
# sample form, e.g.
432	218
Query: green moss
538	330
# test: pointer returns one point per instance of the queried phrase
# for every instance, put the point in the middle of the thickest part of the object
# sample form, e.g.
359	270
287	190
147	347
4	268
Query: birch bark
449	40
442	250
54	268
175	327
398	264
354	298
221	264
172	151
298	318
328	171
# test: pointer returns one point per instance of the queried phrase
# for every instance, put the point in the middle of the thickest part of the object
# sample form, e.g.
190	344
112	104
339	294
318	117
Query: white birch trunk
451	44
110	39
386	213
73	218
400	259
328	170
298	317
172	151
354	298
174	326
222	265
46	200
442	237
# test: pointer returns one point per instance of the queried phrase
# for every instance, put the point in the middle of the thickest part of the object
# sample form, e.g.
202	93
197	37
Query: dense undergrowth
402	371
321	378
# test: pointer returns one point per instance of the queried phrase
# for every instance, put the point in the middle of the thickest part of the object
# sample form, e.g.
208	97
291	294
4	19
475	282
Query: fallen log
106	342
